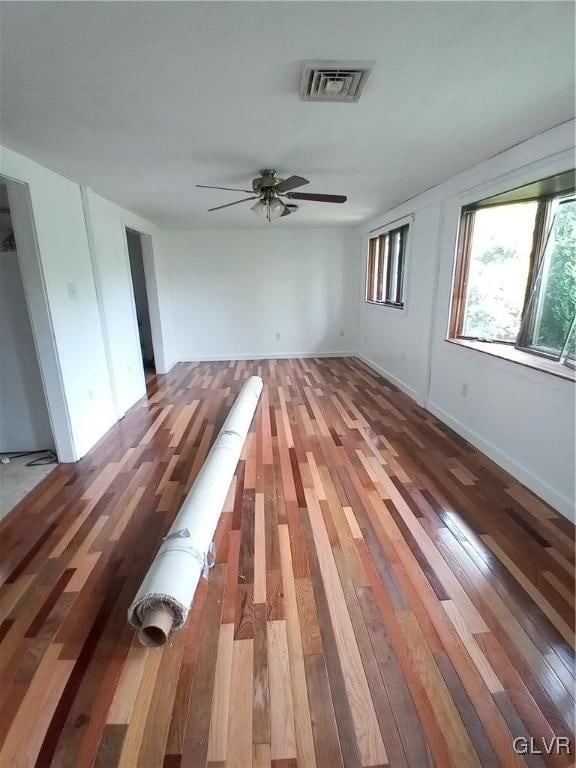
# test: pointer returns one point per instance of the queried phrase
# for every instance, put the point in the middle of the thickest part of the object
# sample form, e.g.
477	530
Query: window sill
387	304
506	352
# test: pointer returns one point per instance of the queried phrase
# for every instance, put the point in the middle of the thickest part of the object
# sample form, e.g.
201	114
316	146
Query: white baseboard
263	356
406	388
168	367
561	503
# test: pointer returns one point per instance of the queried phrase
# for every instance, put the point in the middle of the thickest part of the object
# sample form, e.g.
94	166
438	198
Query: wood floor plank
259	550
261	698
492	681
195	746
403	708
221	697
566	631
22	743
135	731
155	736
261	756
302	722
457	738
388	728
308	617
282	731
326	742
239	741
120	710
366	726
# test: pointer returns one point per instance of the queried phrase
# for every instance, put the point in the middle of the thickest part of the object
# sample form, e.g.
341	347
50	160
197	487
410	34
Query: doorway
139	288
27	445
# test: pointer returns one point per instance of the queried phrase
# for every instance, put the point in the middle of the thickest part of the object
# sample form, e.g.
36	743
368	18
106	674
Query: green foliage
496	255
559	299
494	305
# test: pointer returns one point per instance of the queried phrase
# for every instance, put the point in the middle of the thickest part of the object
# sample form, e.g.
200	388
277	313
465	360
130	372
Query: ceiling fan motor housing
267	180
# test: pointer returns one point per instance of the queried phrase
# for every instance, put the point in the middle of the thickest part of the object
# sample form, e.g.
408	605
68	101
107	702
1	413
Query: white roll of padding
166	594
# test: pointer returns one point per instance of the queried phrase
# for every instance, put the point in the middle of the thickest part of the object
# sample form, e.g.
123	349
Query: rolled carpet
167	591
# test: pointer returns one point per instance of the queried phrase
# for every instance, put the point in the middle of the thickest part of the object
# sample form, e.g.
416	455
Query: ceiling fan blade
293	182
244	200
317	198
230	189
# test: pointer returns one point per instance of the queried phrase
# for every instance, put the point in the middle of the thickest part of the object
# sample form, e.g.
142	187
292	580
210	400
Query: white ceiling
140	101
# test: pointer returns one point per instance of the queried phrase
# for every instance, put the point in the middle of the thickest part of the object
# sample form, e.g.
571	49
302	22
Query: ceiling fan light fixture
290	208
260	208
276	208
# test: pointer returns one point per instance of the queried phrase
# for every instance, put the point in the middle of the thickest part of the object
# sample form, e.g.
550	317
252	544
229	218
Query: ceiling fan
273	193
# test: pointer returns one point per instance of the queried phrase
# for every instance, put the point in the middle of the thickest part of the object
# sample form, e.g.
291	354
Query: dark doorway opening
138	274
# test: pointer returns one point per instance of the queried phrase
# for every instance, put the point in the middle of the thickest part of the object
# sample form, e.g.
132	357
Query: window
515	277
386	263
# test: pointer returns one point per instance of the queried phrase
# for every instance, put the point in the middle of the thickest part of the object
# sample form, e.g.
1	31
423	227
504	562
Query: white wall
97	361
396	341
107	224
522	418
69	283
116	304
40	317
24	421
233	291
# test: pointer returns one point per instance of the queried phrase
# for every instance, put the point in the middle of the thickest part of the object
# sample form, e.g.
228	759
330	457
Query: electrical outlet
91	395
342	333
464	390
277	335
72	291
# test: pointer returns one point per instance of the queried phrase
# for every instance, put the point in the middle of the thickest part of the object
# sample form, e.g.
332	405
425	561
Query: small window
515	278
386	265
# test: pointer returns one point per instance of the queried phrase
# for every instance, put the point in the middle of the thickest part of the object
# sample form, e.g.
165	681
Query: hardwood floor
383	593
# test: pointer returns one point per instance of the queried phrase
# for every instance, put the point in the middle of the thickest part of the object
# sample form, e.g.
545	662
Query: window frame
380	284
542	229
542	232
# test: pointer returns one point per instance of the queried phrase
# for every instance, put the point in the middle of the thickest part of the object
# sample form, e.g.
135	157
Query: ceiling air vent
334	80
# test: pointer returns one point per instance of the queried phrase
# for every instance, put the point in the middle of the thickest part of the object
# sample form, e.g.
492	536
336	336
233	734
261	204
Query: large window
515	278
386	265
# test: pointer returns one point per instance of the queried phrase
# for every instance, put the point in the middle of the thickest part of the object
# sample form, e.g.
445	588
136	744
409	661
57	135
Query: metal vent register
341	81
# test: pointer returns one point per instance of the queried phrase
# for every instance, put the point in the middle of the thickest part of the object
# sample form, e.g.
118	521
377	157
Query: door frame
33	279
147	248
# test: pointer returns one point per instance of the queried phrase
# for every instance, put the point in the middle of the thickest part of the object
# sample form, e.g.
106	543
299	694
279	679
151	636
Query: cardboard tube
156	626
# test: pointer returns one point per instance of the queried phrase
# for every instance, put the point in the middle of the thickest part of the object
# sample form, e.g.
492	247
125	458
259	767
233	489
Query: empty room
287	384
